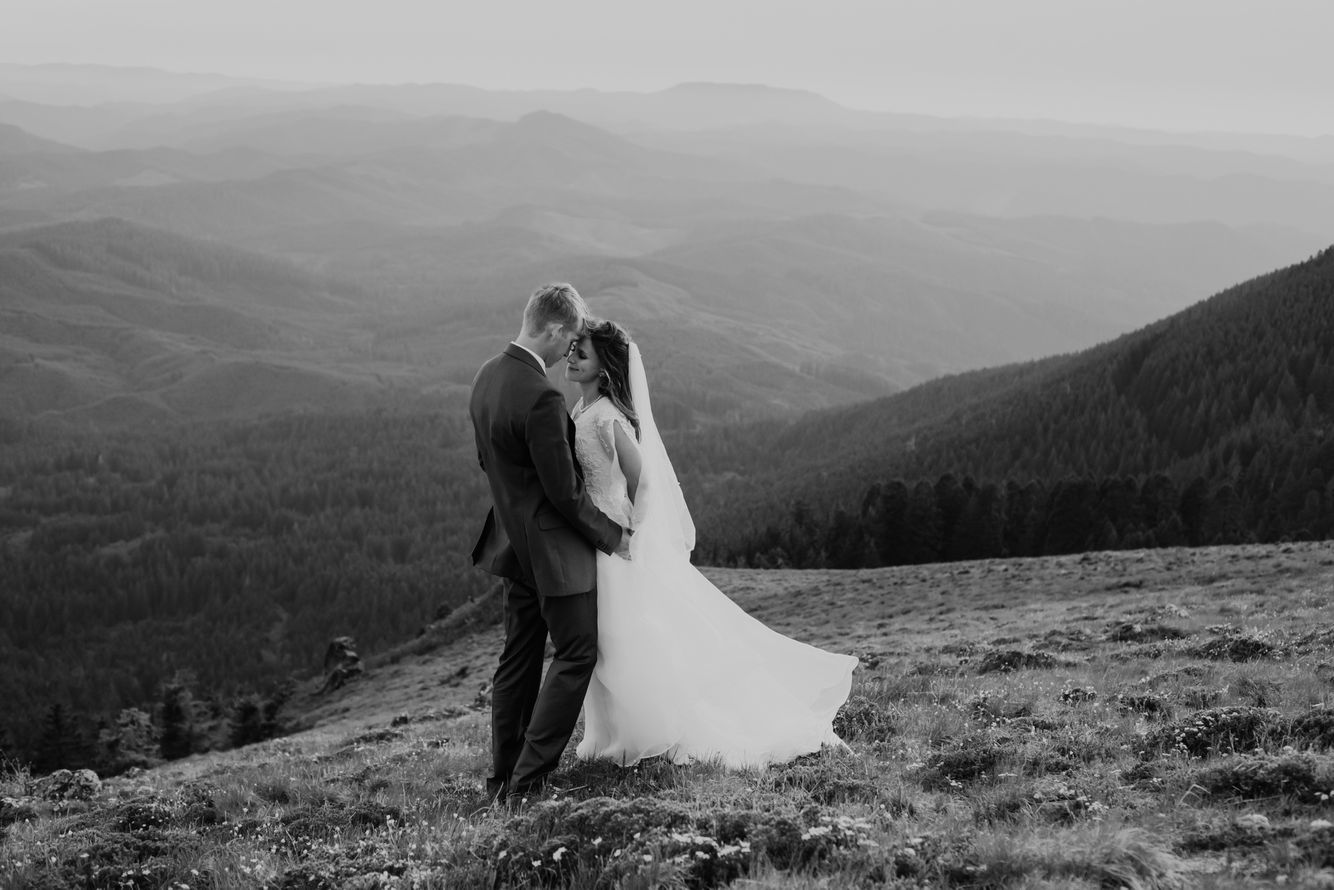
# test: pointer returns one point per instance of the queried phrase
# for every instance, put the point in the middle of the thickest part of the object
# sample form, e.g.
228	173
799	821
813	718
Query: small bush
998	710
1218	731
1260	692
1068	639
142	814
970	758
1199	697
863	718
1132	632
1224	833
824	780
1182	676
1314	729
320	821
1250	777
1149	704
1006	660
615	821
1320	638
1315	847
1055	800
1238	647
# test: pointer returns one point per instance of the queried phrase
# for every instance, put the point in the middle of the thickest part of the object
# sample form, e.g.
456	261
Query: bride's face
582	364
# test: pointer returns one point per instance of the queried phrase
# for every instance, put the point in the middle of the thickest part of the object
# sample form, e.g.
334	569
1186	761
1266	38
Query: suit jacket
543	528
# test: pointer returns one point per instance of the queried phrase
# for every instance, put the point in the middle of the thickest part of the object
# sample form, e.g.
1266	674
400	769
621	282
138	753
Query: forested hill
115	322
1231	399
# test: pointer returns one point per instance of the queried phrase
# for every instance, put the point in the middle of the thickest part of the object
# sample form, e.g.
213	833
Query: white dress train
682	671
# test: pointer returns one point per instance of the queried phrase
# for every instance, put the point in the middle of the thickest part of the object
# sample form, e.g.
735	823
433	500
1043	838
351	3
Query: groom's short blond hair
558	302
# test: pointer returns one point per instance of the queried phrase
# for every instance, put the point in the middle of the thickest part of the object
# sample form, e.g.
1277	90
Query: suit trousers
531	719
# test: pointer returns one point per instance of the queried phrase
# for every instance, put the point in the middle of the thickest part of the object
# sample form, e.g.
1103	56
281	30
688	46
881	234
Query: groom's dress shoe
532	789
540	786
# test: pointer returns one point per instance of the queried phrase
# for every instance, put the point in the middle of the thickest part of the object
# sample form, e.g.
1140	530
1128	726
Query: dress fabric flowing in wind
682	671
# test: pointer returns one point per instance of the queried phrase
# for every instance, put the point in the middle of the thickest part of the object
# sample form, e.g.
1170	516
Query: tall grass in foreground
1133	746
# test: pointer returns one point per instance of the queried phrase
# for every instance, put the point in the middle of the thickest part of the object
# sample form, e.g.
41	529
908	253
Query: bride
681	670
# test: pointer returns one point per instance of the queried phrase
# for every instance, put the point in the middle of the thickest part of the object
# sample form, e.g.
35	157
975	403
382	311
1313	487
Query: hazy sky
1258	65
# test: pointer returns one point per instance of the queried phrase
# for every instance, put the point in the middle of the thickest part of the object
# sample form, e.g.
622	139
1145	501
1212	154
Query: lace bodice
595	449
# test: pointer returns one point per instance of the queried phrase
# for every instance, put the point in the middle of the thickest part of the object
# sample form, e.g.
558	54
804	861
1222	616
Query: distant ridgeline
186	572
1213	426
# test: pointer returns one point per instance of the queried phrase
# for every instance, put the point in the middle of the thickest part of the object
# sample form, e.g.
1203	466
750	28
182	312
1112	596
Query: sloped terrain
1145	719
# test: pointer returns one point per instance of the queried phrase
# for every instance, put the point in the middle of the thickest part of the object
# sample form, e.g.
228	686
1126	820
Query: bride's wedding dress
682	671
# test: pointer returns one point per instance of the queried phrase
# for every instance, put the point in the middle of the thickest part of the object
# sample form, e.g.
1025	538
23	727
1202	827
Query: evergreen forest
1214	426
213	561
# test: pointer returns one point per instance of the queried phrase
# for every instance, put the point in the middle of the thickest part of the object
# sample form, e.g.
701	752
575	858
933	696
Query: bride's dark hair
612	344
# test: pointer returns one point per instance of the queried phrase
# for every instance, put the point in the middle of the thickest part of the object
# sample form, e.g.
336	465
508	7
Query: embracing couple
592	538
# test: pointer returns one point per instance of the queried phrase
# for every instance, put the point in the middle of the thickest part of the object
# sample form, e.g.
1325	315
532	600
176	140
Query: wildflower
556	856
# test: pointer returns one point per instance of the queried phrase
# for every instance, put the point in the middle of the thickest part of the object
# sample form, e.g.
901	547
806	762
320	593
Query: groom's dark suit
540	537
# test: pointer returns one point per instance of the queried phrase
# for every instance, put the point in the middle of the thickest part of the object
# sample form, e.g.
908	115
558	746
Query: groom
540	538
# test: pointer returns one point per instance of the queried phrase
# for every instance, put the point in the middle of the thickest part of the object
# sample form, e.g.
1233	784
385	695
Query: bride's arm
627	454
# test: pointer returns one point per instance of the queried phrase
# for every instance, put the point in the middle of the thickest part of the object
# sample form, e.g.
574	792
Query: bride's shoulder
607	416
614	410
614	414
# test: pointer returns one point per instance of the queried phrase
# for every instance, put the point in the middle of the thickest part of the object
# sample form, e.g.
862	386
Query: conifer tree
177	718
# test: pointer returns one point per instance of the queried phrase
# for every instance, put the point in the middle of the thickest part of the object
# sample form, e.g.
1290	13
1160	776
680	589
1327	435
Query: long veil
666	635
661	520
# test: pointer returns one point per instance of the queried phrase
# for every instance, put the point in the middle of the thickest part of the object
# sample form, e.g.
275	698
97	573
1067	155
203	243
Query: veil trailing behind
683	671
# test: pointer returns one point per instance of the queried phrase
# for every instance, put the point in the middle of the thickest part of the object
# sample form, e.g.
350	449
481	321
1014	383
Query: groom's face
562	339
571	335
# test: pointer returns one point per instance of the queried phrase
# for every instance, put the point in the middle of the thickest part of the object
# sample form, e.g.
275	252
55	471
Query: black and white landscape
239	318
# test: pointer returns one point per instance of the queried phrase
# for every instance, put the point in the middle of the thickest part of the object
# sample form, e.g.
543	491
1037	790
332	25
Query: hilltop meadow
1146	718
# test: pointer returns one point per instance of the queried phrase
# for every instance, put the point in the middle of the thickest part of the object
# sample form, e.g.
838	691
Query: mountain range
773	251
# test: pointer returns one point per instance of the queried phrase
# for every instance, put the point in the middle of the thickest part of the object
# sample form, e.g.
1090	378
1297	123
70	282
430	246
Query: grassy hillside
1152	719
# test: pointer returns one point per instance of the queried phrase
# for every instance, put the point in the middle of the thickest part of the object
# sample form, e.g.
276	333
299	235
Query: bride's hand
623	549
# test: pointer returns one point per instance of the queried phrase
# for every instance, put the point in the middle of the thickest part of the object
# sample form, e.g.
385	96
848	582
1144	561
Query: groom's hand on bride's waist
623	549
